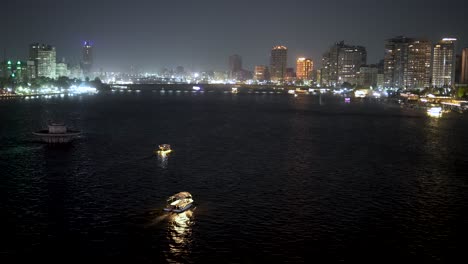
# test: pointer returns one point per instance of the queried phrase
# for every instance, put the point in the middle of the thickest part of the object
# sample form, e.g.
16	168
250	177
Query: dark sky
201	34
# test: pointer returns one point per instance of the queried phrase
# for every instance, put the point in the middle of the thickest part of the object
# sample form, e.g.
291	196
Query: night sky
200	35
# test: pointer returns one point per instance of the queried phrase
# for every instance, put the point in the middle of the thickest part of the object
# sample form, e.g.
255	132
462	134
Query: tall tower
304	68
87	60
443	63
464	67
278	63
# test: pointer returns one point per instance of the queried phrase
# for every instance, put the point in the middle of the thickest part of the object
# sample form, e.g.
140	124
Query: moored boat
57	134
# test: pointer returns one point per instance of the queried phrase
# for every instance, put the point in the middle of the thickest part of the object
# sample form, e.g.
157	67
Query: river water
274	179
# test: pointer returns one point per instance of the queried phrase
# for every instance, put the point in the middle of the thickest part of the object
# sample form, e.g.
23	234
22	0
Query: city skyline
153	37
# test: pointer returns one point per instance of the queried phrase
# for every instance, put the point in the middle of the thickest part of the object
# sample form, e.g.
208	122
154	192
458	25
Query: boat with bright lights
179	202
434	110
164	148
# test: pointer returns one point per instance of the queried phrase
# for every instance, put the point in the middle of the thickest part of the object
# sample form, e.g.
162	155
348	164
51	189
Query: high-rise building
44	57
341	64
87	60
304	68
31	68
443	63
464	66
235	65
407	63
261	73
278	63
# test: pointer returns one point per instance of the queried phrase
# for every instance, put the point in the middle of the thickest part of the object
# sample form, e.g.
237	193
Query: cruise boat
179	202
164	148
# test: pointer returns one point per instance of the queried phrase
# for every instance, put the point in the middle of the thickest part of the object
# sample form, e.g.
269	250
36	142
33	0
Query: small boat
179	202
164	148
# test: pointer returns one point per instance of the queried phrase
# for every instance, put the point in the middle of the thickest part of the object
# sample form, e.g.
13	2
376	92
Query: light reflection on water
163	159
179	235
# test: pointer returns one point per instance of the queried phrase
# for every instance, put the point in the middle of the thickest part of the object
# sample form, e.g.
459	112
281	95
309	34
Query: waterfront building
62	70
443	63
76	72
220	76
261	73
341	63
15	70
367	76
31	69
290	75
464	66
407	63
278	63
6	69
235	66
87	59
380	80
304	68
44	57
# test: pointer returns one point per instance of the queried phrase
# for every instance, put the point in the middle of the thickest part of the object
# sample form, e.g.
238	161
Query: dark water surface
275	179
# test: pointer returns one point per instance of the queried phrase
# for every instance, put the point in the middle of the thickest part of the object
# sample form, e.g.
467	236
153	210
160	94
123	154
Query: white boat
166	148
179	202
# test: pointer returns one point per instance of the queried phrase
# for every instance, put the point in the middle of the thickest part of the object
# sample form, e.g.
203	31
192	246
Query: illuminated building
443	63
341	64
464	66
380	80
261	73
44	57
407	63
278	63
304	68
62	69
76	72
16	71
31	67
87	60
